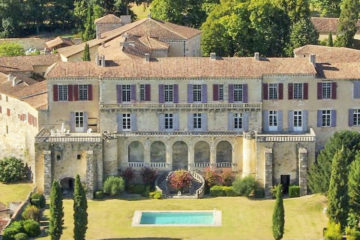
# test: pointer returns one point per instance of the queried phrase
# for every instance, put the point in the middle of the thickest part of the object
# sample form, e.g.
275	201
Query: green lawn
242	219
14	192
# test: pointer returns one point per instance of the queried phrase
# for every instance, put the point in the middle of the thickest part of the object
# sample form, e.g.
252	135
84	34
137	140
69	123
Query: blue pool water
191	218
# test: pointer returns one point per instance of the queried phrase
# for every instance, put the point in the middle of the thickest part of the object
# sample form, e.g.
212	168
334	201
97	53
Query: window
79	120
78	156
298	120
326	118
142	92
197	93
273	91
126	119
356	117
63	92
273	121
126	92
169	121
169	93
238	92
238	121
197	120
326	90
83	92
298	90
58	157
221	92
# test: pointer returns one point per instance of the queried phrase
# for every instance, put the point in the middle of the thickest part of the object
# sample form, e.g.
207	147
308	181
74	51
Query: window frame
142	92
63	93
83	89
298	91
168	93
326	90
197	92
221	92
238	121
238	92
197	121
273	120
79	121
356	117
126	122
126	93
326	118
273	89
298	120
168	121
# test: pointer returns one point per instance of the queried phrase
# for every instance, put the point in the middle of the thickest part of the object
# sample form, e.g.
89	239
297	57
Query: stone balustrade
279	137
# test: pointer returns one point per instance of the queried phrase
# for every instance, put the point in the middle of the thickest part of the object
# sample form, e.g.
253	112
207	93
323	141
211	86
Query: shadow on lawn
142	238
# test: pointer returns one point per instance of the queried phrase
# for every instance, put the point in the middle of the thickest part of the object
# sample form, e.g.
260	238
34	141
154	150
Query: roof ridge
176	33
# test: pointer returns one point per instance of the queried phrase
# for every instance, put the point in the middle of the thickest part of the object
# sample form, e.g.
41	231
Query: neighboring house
154	37
58	42
324	26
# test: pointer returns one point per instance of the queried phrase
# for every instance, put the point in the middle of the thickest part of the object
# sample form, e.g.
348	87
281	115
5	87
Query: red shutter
333	89
265	91
29	118
281	91
215	92
319	90
70	92
290	90
76	92
90	92
147	92
55	93
306	90
8	112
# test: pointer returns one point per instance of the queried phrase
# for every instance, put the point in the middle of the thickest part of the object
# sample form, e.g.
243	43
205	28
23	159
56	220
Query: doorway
285	183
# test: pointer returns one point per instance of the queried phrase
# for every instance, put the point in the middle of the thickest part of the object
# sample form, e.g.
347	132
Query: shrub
12	170
229	191
244	186
227	177
294	191
32	228
333	232
99	194
155	195
352	234
217	191
259	192
38	200
148	176
180	180
31	212
212	178
136	188
114	185
146	192
15	228
21	236
128	175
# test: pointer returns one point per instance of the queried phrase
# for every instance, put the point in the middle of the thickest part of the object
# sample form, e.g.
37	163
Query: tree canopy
347	23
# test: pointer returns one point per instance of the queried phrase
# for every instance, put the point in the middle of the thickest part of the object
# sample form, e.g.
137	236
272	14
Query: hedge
155	195
38	200
218	191
294	191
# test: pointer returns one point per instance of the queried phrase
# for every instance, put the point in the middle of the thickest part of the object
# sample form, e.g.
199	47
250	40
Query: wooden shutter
215	92
118	93
245	93
70	92
356	89
119	122
280	120
333	90
291	121
161	93
231	93
86	117
176	93
281	91
161	122
265	91
305	120
190	93
204	122
230	121
90	92
72	122
147	92
133	92
190	124
246	121
333	118
351	117
76	92
306	91
319	118
133	122
55	93
204	93
319	90
290	90
266	120
176	122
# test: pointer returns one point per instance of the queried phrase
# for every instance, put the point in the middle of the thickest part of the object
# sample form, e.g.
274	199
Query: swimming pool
177	218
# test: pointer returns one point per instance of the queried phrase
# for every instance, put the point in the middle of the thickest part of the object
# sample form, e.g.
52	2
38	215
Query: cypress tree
56	212
80	208
338	198
89	32
330	42
347	23
278	214
354	189
86	54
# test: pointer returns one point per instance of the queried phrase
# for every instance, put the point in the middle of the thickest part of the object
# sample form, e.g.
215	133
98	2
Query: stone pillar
47	172
268	171
191	161
249	153
147	159
303	165
90	174
111	157
169	156
213	156
234	167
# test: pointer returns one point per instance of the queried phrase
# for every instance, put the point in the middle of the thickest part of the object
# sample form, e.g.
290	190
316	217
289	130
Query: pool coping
216	213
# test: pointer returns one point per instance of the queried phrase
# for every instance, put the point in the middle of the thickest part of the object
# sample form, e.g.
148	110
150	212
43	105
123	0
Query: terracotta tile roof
58	41
144	27
339	70
188	67
326	25
153	43
328	54
26	63
110	18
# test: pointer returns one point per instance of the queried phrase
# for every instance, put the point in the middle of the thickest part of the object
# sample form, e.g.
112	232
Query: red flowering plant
128	175
148	176
212	178
227	177
180	180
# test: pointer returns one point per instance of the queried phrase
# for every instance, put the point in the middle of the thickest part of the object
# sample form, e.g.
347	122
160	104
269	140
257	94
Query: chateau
143	101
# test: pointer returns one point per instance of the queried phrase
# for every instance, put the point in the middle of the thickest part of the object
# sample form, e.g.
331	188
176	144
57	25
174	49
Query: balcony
249	107
306	137
45	135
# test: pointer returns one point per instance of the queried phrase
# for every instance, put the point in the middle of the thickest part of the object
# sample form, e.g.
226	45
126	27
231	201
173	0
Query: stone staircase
196	190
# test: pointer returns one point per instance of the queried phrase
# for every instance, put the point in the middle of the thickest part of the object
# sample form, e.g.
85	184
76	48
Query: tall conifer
278	214
80	210
347	23
56	212
354	190
86	54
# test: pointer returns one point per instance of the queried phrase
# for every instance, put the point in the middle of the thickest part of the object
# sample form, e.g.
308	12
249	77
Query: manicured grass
242	218
14	192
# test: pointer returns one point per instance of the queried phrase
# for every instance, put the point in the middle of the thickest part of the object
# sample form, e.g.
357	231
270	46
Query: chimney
12	79
312	59
257	56
103	62
147	57
125	19
213	56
